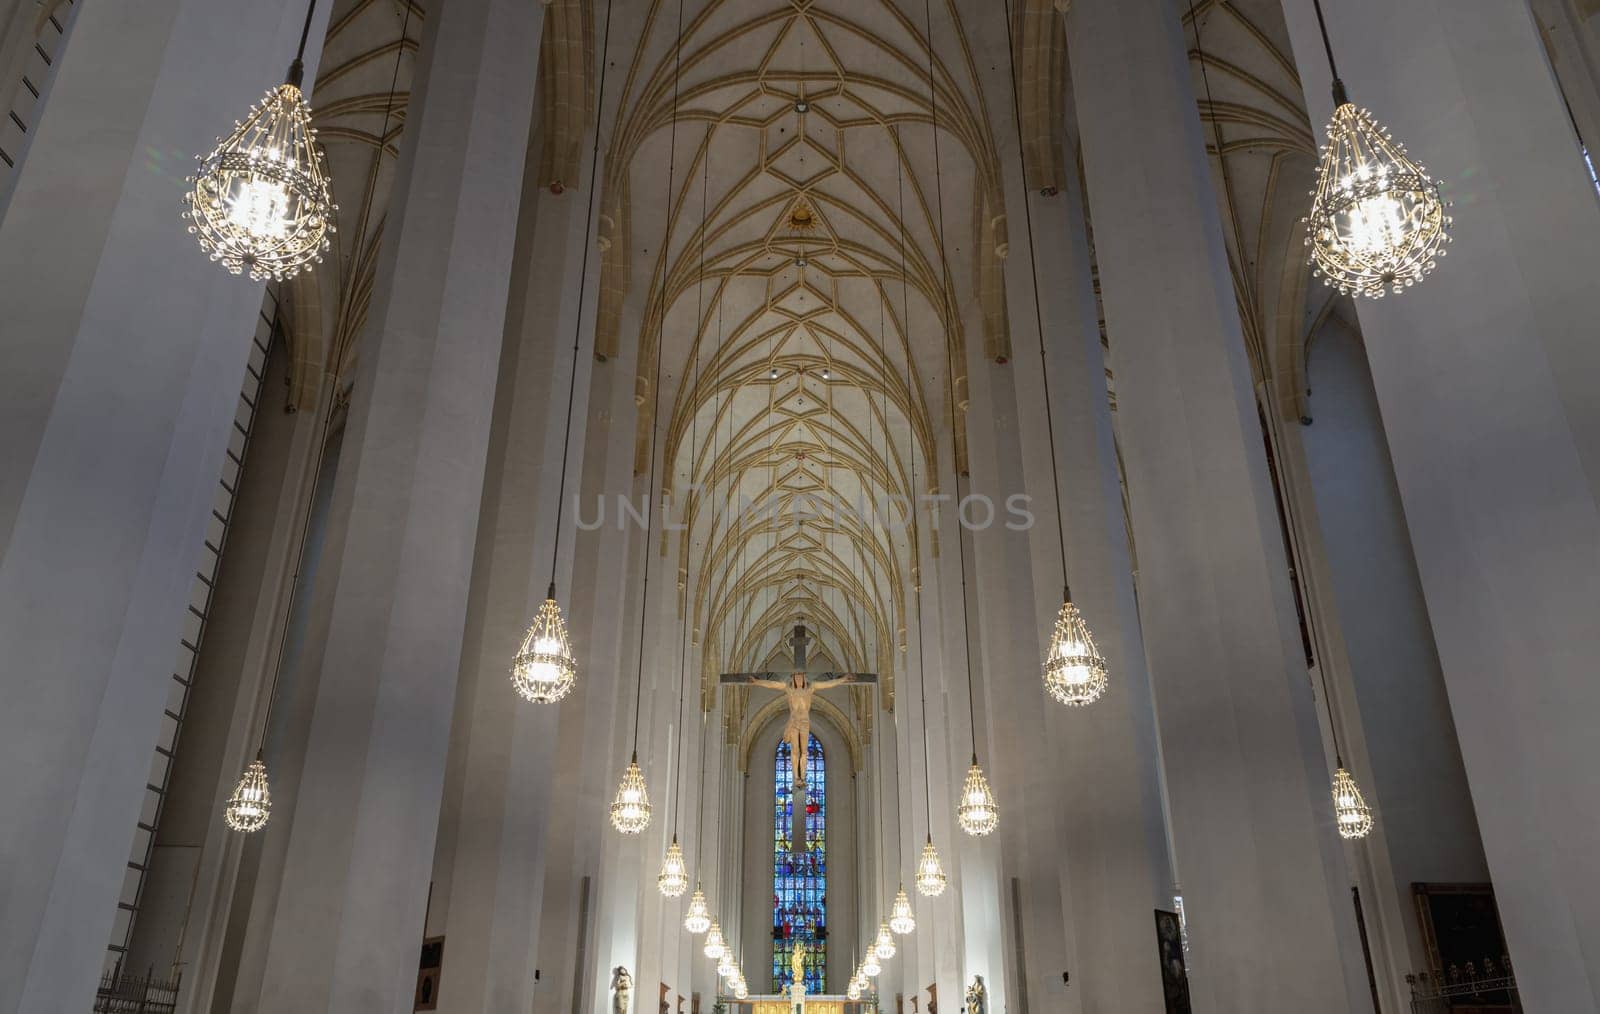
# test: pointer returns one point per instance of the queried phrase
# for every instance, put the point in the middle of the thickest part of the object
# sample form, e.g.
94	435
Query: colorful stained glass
800	871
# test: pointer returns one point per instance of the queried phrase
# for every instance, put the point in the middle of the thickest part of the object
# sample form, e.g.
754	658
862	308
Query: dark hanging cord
655	404
1339	97
1333	725
950	369
1038	316
297	69
340	353
583	281
916	553
694	444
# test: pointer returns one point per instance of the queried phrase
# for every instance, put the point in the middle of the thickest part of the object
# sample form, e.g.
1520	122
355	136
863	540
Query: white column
349	915
124	350
1485	374
490	868
1265	889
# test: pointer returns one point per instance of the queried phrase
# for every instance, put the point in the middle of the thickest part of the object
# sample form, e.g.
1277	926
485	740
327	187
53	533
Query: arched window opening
800	871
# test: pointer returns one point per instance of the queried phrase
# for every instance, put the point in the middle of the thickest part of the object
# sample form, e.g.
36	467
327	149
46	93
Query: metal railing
125	993
1492	987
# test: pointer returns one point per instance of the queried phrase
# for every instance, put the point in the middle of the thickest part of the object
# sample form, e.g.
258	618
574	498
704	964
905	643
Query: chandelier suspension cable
297	69
655	386
1038	314
583	282
694	443
341	351
950	367
1339	96
916	554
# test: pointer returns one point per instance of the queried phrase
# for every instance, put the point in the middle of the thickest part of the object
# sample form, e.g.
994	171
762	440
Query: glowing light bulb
697	917
978	813
630	810
1351	814
1075	673
901	919
544	671
930	873
1378	222
250	806
673	879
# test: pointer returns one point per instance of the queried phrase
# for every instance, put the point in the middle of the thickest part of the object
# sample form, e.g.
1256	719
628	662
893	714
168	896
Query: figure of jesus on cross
799	689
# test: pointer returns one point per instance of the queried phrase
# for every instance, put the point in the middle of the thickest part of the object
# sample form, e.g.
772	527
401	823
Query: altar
784	1005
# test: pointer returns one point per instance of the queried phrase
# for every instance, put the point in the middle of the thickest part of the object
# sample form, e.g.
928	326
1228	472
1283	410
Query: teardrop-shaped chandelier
673	879
901	919
978	813
697	918
715	946
869	964
727	968
1075	672
884	945
741	991
930	874
261	200
1378	223
544	670
853	992
1350	810
250	806
630	810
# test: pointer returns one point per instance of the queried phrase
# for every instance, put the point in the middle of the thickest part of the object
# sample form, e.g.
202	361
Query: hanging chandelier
978	813
930	874
250	806
697	918
1378	223
854	990
261	200
741	991
673	879
1350	809
630	811
1074	671
715	947
884	945
544	670
727	968
901	920
869	965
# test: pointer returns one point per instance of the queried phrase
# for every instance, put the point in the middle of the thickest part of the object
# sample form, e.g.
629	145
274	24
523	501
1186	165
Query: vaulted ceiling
810	257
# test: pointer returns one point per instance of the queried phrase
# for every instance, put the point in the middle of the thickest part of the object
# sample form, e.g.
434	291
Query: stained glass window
799	871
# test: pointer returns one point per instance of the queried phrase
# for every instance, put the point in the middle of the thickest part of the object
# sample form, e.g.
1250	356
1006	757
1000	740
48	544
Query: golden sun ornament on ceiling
802	218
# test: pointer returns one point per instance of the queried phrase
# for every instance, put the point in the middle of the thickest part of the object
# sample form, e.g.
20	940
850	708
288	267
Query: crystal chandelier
1350	809
630	811
715	947
1377	222
1074	670
901	920
726	967
251	803
930	874
673	879
884	945
854	992
697	919
544	670
261	200
978	813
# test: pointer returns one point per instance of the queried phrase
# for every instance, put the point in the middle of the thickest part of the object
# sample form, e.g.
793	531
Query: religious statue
977	997
799	689
797	964
621	990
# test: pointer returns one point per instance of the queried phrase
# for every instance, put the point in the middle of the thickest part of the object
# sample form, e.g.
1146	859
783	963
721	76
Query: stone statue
977	997
621	990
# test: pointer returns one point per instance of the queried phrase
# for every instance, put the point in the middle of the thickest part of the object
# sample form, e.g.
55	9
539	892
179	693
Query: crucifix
798	690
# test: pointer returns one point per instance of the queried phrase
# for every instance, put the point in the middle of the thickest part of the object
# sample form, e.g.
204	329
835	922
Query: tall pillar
350	908
125	351
490	866
1266	893
1485	375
